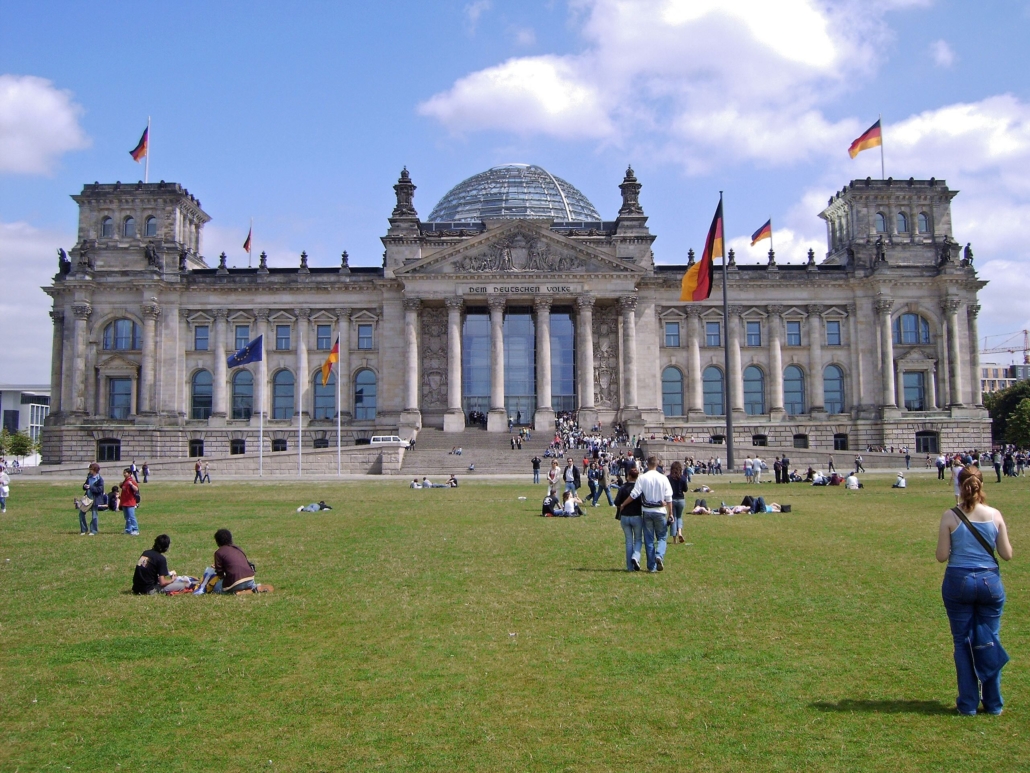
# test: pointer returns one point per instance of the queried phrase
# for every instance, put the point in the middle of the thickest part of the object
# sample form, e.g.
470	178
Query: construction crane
1009	345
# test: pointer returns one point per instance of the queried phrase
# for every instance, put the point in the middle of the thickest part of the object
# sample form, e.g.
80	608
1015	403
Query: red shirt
127	494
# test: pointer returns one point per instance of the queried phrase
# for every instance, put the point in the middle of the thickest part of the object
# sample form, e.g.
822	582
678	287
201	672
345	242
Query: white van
388	440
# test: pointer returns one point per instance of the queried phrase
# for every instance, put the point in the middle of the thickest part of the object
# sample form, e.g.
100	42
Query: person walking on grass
94	489
604	485
630	515
973	594
679	500
536	469
128	501
5	489
655	494
207	473
198	476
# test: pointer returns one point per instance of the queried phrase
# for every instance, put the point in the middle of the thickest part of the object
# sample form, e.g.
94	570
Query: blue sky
301	115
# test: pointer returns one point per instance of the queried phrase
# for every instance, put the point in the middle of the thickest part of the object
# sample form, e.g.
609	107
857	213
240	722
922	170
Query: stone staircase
490	451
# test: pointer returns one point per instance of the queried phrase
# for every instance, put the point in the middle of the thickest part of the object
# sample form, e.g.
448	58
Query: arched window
107	228
833	389
711	388
282	395
793	390
754	391
902	223
129	226
201	395
150	227
324	397
923	223
122	335
672	392
242	394
365	396
881	223
911	329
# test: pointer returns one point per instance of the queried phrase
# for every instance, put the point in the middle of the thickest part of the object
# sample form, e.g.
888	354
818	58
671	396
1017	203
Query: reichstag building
513	300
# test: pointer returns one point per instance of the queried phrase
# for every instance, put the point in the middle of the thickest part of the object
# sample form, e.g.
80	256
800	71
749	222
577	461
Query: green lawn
453	630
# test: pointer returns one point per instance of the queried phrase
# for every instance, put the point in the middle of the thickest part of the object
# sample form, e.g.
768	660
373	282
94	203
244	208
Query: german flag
140	150
871	138
327	366
246	244
697	282
765	232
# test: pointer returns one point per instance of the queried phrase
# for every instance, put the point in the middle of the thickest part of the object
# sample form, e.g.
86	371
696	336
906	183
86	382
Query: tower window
881	223
923	221
902	223
150	228
107	228
129	227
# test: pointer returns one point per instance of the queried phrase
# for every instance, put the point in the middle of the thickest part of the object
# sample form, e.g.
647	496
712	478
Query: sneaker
636	564
83	533
134	533
660	563
92	534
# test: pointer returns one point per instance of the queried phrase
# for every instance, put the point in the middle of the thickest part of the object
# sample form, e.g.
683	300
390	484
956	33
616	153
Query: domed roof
513	191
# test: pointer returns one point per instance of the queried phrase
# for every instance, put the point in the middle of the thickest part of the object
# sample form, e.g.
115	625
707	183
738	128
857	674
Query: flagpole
883	172
250	252
300	441
339	468
146	168
770	231
261	431
726	341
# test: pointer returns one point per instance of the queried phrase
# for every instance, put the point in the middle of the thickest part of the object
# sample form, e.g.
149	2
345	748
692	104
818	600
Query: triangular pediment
519	248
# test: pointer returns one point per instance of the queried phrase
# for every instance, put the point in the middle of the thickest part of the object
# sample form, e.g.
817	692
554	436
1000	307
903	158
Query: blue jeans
570	486
536	476
130	520
593	490
602	489
678	506
655	533
246	585
633	527
972	595
94	525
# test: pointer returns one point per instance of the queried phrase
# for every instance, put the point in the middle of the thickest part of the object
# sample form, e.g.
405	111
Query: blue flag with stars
249	353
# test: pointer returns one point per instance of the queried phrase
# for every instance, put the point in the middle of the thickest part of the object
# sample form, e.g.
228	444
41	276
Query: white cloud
943	55
28	261
524	36
473	11
38	123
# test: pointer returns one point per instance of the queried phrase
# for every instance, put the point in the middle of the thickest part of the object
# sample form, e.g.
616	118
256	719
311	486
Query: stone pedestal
409	422
587	418
497	420
543	420
454	421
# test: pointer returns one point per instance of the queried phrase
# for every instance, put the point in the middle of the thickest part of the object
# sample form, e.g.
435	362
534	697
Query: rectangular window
324	337
793	333
754	334
200	338
672	333
840	441
242	336
712	334
282	337
364	336
119	398
915	391
833	333
37	416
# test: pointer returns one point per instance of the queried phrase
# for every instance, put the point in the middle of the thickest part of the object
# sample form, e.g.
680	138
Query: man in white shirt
656	503
851	482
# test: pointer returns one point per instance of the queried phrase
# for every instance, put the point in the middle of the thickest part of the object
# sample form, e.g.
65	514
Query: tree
5	441
21	444
1001	404
1018	425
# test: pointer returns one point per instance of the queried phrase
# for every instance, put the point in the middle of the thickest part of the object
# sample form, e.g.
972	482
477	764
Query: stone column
80	335
543	420
972	312
951	306
497	418
343	367
857	382
304	404
695	396
931	387
411	315
151	313
261	385
816	328
736	378
56	361
776	411
883	311
899	384
219	401
585	368
628	306
454	419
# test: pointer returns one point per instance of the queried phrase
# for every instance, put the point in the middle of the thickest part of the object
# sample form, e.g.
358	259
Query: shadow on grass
885	707
588	569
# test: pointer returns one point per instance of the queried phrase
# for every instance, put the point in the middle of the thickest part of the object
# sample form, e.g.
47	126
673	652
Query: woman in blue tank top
972	591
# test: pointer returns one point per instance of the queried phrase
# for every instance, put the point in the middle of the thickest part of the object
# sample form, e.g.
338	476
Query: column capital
496	302
82	310
816	309
627	303
57	316
973	310
261	314
692	311
736	311
543	303
219	313
454	302
776	310
412	304
585	301
302	313
342	314
950	305
851	308
883	305
150	311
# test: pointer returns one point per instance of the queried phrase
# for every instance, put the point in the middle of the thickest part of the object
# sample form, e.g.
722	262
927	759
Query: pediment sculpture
517	253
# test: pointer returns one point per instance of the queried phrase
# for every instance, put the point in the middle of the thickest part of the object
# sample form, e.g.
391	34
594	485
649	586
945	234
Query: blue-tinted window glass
242	336
202	395
833	389
242	394
107	227
924	223
122	334
200	338
563	362
794	333
793	390
519	366
324	337
754	334
365	396
672	392
833	332
881	223
712	337
902	223
150	227
672	333
915	391
324	397
282	395
129	227
711	387
754	391
475	362
364	336
282	337
119	398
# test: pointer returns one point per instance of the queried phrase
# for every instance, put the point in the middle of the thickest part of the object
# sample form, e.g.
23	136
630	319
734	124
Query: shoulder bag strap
975	532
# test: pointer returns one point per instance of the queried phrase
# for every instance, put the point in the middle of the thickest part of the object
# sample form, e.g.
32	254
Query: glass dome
513	191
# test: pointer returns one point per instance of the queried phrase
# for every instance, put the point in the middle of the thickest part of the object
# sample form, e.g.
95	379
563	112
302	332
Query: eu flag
249	353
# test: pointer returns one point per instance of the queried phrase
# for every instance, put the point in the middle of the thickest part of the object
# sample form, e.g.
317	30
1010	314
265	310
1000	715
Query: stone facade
873	345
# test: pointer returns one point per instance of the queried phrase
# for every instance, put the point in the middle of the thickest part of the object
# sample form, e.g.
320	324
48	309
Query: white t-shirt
654	489
851	482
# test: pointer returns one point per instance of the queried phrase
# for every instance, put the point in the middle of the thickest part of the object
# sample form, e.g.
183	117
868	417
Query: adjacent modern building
514	299
995	377
24	407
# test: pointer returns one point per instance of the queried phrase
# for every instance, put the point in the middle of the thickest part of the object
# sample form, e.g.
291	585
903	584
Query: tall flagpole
883	173
146	168
250	252
339	468
726	342
770	231
300	443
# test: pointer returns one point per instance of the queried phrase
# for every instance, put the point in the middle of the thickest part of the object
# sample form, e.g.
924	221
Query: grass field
452	630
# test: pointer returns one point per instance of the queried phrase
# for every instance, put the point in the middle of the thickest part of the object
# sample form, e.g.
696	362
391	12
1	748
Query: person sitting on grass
152	574
452	482
570	506
900	481
314	507
415	484
851	483
234	570
551	505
